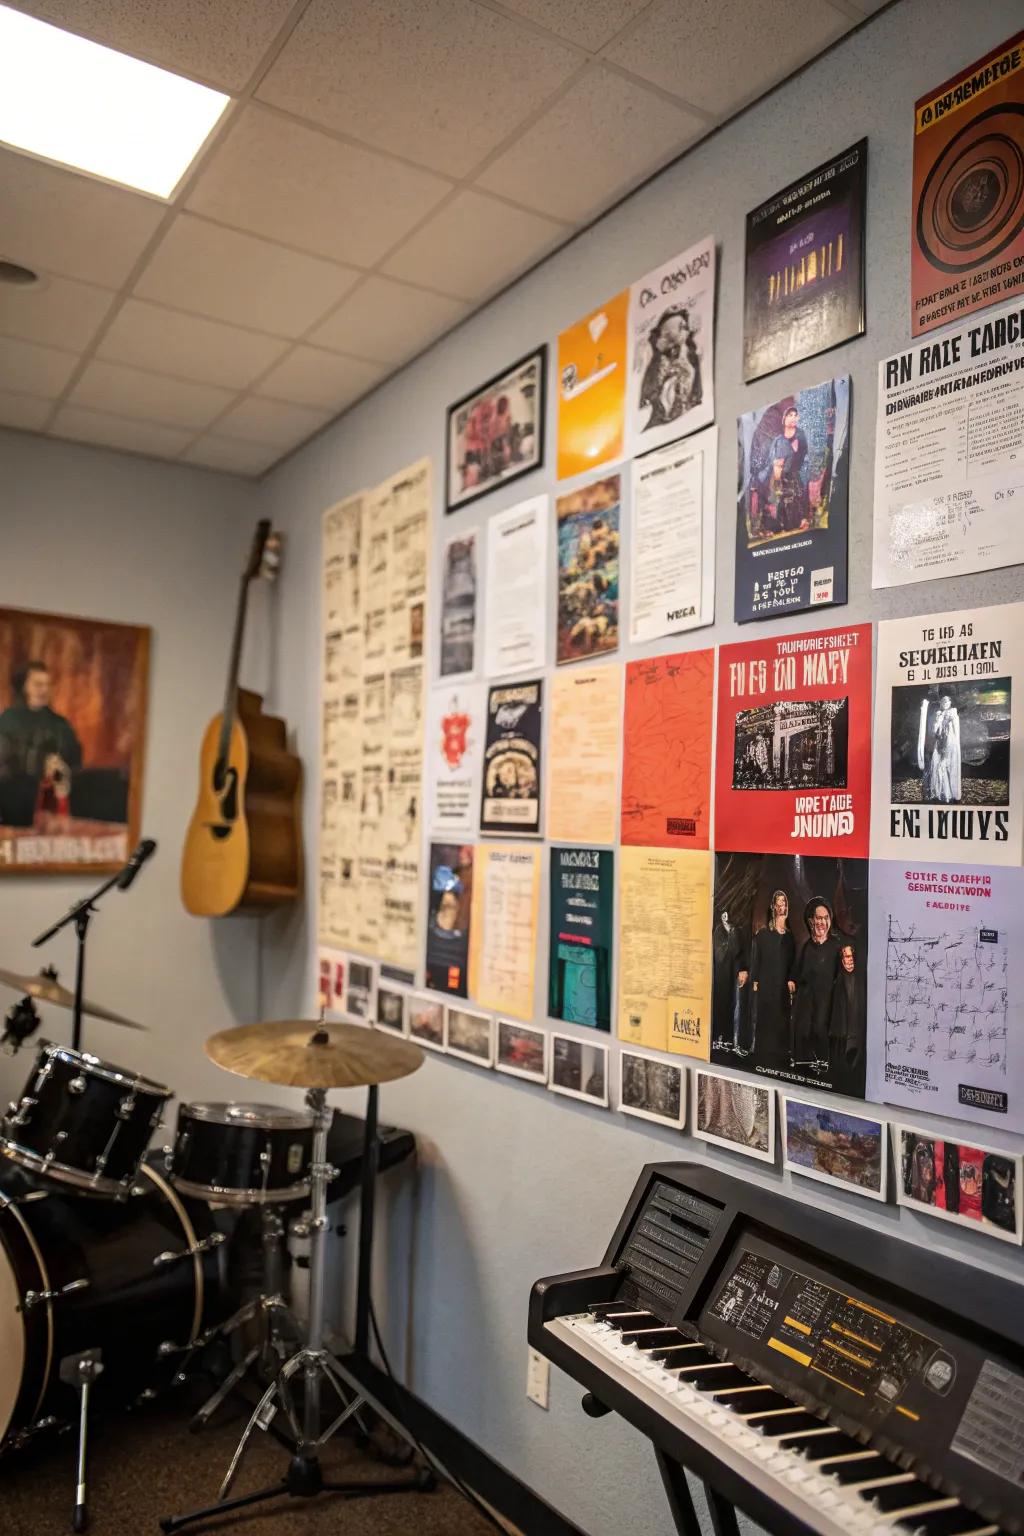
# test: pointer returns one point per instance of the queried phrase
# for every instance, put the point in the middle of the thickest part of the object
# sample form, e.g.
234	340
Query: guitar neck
231	691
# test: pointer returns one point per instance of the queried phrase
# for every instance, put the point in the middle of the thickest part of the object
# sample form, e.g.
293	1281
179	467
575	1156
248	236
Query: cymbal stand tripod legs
304	1478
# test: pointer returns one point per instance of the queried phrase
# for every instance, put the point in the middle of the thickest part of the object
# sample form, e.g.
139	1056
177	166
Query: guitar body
242	848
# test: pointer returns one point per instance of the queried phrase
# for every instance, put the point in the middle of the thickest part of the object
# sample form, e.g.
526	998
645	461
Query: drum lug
78	1084
208	1243
33	1298
126	1108
21	1113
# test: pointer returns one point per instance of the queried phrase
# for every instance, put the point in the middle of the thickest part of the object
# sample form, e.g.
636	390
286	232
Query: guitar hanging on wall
242	847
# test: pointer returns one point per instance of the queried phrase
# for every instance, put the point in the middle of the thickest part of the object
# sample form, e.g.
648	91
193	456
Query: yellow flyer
583	754
592	388
503	927
664	964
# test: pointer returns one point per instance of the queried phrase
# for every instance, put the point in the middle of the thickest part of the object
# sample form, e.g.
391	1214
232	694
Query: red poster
666	754
793	769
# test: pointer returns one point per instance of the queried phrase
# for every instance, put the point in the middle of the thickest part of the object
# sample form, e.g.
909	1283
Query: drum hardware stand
81	1371
304	1478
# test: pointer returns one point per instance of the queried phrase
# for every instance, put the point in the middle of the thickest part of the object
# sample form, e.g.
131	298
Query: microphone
20	1021
144	851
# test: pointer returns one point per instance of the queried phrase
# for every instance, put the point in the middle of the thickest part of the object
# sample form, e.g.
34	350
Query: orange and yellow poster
592	388
666	760
664	954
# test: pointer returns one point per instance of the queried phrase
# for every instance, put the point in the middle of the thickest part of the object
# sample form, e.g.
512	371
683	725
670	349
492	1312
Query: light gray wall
516	1183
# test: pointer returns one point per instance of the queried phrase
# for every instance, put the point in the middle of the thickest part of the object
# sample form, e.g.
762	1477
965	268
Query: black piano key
793	1421
681	1354
632	1320
818	1448
951	1522
650	1338
804	1441
719	1373
602	1309
901	1496
862	1470
750	1398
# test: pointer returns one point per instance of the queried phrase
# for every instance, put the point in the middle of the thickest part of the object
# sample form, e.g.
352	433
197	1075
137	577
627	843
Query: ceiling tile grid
387	166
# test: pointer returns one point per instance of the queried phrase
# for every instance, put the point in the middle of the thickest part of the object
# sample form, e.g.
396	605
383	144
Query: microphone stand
79	914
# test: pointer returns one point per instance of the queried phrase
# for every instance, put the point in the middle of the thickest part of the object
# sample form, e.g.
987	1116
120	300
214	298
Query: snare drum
242	1154
139	1279
83	1121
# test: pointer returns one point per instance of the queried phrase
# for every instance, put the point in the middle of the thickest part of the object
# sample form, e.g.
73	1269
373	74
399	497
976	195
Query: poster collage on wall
783	873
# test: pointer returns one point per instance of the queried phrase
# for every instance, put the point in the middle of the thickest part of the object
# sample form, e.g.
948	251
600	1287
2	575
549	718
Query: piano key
681	1354
601	1309
794	1421
910	1498
820	1450
747	1396
648	1338
953	1522
849	1456
622	1320
796	1438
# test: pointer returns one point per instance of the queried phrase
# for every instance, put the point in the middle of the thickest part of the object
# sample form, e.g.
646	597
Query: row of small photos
976	1187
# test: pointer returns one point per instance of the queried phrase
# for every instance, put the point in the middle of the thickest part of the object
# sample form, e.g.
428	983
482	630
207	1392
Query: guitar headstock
265	554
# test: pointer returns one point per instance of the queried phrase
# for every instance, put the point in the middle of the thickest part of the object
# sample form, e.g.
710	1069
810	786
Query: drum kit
113	1258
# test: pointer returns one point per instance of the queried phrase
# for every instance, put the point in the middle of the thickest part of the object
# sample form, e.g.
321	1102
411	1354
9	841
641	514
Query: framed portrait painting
496	433
72	738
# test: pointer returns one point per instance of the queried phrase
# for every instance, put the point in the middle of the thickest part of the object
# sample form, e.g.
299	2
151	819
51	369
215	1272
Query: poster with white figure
948	774
945	1019
671	350
456	723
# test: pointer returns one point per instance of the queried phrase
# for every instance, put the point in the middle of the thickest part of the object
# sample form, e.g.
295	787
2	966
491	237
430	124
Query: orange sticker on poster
592	388
666	760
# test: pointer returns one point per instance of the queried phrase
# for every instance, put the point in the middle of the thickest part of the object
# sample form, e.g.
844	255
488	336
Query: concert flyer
666	752
592	388
504	935
949	448
456	721
804	287
672	350
583	754
833	1147
458	606
664	967
588	570
975	1186
789	949
449	916
967	235
672	543
792	503
946	1017
949	744
515	614
580	946
794	743
510	790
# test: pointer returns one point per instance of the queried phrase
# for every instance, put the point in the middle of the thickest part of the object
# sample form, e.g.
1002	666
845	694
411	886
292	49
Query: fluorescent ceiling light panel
97	110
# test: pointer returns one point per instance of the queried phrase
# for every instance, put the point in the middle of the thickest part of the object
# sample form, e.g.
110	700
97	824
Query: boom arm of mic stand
79	914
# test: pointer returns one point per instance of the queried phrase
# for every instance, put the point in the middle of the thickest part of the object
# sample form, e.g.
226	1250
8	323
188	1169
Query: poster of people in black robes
792	502
789	945
449	904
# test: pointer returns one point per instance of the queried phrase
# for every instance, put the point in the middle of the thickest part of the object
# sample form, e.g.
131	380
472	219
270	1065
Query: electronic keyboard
815	1374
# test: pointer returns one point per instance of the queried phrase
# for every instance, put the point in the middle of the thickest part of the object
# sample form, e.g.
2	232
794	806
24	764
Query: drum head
12	1341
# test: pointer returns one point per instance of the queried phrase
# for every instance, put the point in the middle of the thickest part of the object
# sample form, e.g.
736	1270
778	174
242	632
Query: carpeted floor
146	1465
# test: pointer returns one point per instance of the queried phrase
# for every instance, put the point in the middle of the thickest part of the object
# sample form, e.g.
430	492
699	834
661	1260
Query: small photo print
426	1021
392	1009
652	1089
791	745
470	1035
579	1069
977	1187
950	743
734	1114
359	994
834	1147
522	1051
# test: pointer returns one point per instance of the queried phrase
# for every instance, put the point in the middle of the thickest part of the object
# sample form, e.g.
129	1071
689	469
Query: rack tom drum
242	1154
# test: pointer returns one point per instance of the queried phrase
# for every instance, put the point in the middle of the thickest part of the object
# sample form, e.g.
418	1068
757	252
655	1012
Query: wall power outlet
538	1377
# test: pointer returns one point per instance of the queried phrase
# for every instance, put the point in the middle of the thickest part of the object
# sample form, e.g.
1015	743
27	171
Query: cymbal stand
317	1367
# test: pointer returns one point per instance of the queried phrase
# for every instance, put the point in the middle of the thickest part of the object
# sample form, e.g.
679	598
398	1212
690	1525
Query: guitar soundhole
225	787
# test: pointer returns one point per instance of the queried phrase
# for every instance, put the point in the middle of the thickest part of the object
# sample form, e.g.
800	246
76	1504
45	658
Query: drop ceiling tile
118	432
598	140
23	411
234	277
55	311
439	81
232	454
388	321
27	369
272	422
60	221
590	23
474	245
148	396
309	376
188	347
219	42
274	177
719	54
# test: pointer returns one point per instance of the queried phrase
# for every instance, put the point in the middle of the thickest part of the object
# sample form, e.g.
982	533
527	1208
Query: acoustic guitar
242	848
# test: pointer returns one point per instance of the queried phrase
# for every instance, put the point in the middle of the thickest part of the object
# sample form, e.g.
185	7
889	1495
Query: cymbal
46	990
305	1053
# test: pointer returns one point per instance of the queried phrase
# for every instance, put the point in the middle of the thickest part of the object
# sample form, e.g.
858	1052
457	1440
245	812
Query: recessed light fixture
89	107
19	276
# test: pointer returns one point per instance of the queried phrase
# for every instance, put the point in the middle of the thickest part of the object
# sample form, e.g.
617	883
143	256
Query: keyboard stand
680	1502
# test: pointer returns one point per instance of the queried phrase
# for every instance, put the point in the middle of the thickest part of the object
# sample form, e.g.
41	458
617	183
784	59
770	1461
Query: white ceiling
386	167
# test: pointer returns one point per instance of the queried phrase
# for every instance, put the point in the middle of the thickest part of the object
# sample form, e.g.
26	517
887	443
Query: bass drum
140	1280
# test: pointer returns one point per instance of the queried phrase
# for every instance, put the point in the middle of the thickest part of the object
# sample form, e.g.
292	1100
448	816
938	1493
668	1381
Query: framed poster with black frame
495	434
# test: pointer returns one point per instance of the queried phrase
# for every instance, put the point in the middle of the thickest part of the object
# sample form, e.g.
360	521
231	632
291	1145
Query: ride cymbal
304	1053
47	989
